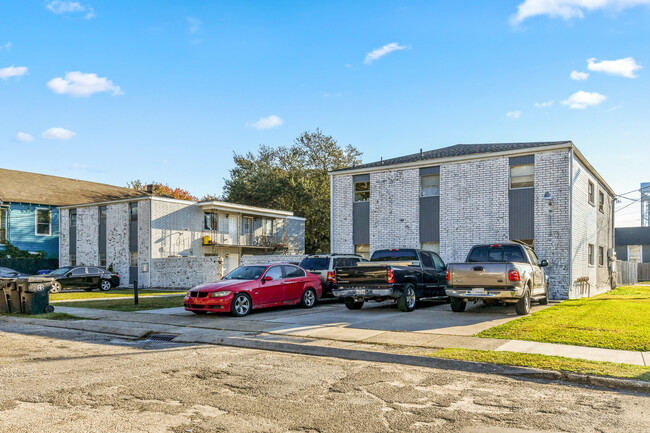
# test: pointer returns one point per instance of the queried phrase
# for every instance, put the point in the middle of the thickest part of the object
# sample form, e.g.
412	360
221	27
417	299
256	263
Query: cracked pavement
57	380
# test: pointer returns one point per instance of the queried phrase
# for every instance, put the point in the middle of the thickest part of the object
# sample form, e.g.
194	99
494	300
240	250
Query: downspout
612	265
571	183
150	267
331	213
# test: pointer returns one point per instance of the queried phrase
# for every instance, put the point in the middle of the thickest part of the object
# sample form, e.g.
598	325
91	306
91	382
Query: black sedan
83	277
10	273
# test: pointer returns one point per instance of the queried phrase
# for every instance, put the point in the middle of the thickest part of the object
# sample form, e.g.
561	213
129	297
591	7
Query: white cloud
5	46
545	104
80	84
13	71
24	137
568	9
272	121
194	25
332	95
623	67
579	76
513	114
58	134
583	99
60	7
381	52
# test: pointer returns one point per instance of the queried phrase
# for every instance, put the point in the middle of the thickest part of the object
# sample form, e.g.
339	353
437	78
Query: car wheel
457	304
522	307
56	287
105	285
48	309
408	299
308	299
200	313
241	305
544	300
352	304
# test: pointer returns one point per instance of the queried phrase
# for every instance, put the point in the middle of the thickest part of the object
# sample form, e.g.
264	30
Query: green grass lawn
127	304
113	293
619	319
48	316
545	362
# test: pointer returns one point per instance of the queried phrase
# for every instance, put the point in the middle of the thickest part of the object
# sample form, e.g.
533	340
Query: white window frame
591	261
422	189
601	205
591	188
601	249
49	229
361	191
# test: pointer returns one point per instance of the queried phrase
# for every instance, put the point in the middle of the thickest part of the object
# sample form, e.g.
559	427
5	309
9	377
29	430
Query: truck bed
479	274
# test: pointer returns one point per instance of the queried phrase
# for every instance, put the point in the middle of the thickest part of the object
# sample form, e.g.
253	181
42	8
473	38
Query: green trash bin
34	295
9	298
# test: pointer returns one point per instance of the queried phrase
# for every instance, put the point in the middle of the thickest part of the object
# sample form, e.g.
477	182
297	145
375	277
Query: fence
644	271
29	266
626	273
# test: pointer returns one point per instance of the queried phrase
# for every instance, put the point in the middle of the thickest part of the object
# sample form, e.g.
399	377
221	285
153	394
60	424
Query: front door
270	292
247	230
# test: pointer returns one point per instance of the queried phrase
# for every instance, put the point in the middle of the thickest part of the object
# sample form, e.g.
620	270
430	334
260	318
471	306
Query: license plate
478	291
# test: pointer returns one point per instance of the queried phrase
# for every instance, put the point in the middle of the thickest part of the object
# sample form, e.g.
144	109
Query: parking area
331	319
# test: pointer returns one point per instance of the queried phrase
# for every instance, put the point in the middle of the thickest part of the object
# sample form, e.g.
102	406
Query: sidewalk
192	329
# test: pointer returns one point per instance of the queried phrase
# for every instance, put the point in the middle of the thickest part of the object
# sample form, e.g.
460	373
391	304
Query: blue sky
167	91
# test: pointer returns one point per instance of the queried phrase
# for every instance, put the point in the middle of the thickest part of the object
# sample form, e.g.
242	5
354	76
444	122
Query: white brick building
163	242
447	200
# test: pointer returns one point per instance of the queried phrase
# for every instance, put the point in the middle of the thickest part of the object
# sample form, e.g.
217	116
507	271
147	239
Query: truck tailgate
479	274
362	275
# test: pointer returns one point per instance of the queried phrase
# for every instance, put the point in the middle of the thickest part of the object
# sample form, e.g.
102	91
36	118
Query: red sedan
255	286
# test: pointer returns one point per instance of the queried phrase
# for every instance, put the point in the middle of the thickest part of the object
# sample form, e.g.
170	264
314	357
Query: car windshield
246	273
394	256
60	271
497	253
315	263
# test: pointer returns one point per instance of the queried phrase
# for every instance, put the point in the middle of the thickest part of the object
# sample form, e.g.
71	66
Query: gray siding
361	223
429	170
361	178
73	233
102	232
645	252
522	213
632	236
429	219
133	231
522	160
621	252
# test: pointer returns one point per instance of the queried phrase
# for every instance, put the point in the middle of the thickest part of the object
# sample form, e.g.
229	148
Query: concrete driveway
331	319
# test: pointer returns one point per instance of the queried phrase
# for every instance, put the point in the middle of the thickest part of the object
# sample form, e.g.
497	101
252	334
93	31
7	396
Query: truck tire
408	298
352	304
522	307
457	304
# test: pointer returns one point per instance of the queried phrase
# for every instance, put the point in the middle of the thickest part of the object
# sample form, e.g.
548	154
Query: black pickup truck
404	275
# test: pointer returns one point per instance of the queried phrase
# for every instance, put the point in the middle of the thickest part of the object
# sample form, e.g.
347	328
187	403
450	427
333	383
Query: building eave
250	210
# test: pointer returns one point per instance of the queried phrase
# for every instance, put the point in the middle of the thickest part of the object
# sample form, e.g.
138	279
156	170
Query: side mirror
68	275
543	263
267	278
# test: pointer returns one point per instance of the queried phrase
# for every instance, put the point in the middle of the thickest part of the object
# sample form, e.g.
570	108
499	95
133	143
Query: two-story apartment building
545	194
164	242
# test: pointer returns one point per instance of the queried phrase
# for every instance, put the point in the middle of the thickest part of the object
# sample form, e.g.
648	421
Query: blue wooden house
29	215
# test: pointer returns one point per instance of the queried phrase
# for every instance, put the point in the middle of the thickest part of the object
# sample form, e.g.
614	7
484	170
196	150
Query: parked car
324	265
510	272
83	277
255	286
403	275
10	273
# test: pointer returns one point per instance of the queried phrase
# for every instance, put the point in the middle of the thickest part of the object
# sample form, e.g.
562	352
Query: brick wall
144	242
395	209
271	258
117	240
176	229
183	272
87	236
473	205
342	200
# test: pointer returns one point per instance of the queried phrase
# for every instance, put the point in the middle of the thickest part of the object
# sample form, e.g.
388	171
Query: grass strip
619	319
127	304
546	362
113	293
48	316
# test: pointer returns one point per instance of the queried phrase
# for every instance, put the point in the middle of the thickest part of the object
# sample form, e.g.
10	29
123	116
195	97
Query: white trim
251	210
103	203
36	233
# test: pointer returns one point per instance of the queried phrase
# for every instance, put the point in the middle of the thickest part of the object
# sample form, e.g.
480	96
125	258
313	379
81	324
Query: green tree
293	178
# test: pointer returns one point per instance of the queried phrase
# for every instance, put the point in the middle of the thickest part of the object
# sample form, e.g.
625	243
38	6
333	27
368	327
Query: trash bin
9	298
34	295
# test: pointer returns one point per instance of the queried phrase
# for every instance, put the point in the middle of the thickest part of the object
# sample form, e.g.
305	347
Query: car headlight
220	294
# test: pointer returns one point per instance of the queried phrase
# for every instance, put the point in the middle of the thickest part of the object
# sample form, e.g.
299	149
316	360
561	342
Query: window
361	191
590	193
210	221
267	227
293	272
601	201
79	272
431	246
73	260
102	259
315	263
430	185
522	176
73	218
92	271
362	250
590	254
134	258
3	226
395	256
497	253
274	272
134	211
533	257
102	212
43	222
601	256
437	261
427	261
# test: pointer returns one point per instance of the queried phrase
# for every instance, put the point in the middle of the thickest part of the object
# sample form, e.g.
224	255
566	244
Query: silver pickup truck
510	273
